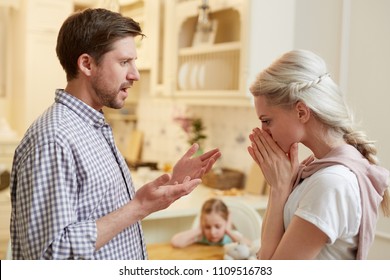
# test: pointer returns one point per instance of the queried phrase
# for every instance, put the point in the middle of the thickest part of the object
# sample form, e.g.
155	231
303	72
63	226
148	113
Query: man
71	192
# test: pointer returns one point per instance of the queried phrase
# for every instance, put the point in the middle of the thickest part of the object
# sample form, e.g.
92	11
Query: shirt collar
88	114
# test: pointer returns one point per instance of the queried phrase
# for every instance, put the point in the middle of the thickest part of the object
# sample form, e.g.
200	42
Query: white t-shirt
329	199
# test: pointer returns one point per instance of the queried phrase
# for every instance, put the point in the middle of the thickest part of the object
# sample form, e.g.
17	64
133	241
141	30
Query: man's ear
84	63
303	111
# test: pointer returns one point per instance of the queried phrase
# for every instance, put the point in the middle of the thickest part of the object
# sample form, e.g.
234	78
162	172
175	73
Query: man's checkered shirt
67	173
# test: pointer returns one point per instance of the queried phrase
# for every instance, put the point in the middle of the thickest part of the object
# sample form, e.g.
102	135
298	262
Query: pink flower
185	123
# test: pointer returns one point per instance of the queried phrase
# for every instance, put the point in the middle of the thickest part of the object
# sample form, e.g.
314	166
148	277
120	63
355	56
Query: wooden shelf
202	73
205	49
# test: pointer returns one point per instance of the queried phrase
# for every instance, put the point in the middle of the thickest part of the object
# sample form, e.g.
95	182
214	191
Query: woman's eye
267	122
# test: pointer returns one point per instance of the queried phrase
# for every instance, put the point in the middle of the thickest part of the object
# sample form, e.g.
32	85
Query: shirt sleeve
47	206
332	203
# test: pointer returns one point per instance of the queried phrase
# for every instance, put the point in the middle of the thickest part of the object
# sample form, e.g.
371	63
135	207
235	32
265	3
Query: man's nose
133	73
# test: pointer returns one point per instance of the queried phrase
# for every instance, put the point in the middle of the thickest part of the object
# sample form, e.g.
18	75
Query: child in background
215	227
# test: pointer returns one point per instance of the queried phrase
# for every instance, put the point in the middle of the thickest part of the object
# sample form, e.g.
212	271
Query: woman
325	208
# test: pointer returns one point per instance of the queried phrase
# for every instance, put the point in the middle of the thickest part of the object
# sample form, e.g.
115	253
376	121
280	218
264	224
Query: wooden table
165	251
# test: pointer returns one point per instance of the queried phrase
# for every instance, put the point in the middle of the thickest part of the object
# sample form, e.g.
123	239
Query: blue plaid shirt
67	173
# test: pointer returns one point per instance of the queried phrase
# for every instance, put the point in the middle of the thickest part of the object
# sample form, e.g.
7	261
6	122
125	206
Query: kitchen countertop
190	205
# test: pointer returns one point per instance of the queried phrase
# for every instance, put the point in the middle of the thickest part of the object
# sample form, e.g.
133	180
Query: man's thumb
161	180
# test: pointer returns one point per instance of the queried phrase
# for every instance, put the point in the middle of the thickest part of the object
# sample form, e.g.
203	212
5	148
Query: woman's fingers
258	145
268	142
254	149
252	154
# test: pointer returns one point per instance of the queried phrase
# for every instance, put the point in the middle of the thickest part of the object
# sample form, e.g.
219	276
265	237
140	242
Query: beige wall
369	70
318	27
353	37
368	87
4	64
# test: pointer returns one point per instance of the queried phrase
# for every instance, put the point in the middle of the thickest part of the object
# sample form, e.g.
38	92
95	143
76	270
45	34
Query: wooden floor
5	212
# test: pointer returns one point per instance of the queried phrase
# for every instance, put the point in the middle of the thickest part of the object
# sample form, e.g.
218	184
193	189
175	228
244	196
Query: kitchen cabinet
5	216
7	149
150	14
219	71
36	72
147	13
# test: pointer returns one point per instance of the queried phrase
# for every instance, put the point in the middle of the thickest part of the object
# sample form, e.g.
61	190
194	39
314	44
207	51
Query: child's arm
186	238
236	237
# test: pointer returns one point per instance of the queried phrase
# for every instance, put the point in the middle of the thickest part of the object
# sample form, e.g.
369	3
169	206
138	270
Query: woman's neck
321	140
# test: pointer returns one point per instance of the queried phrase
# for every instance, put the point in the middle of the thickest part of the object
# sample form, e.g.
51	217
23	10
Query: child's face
214	227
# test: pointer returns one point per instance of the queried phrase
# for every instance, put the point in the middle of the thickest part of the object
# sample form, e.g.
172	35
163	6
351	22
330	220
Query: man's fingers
214	153
191	151
177	191
192	184
208	166
161	180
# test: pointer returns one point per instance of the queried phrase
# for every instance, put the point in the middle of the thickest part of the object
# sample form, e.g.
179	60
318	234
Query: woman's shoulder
335	174
336	180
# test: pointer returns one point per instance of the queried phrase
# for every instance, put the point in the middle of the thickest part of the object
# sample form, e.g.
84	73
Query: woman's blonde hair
301	75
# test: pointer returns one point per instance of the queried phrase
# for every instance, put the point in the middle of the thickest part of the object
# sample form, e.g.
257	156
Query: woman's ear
84	63
303	111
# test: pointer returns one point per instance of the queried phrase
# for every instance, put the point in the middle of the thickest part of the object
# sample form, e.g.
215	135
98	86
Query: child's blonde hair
214	205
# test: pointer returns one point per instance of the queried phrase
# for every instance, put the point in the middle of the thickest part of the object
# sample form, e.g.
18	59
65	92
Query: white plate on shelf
215	74
182	77
193	76
201	75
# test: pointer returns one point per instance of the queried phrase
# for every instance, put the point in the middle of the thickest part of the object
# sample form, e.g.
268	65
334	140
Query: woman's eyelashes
265	121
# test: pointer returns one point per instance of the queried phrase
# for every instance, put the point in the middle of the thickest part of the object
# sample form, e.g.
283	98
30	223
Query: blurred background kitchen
196	63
